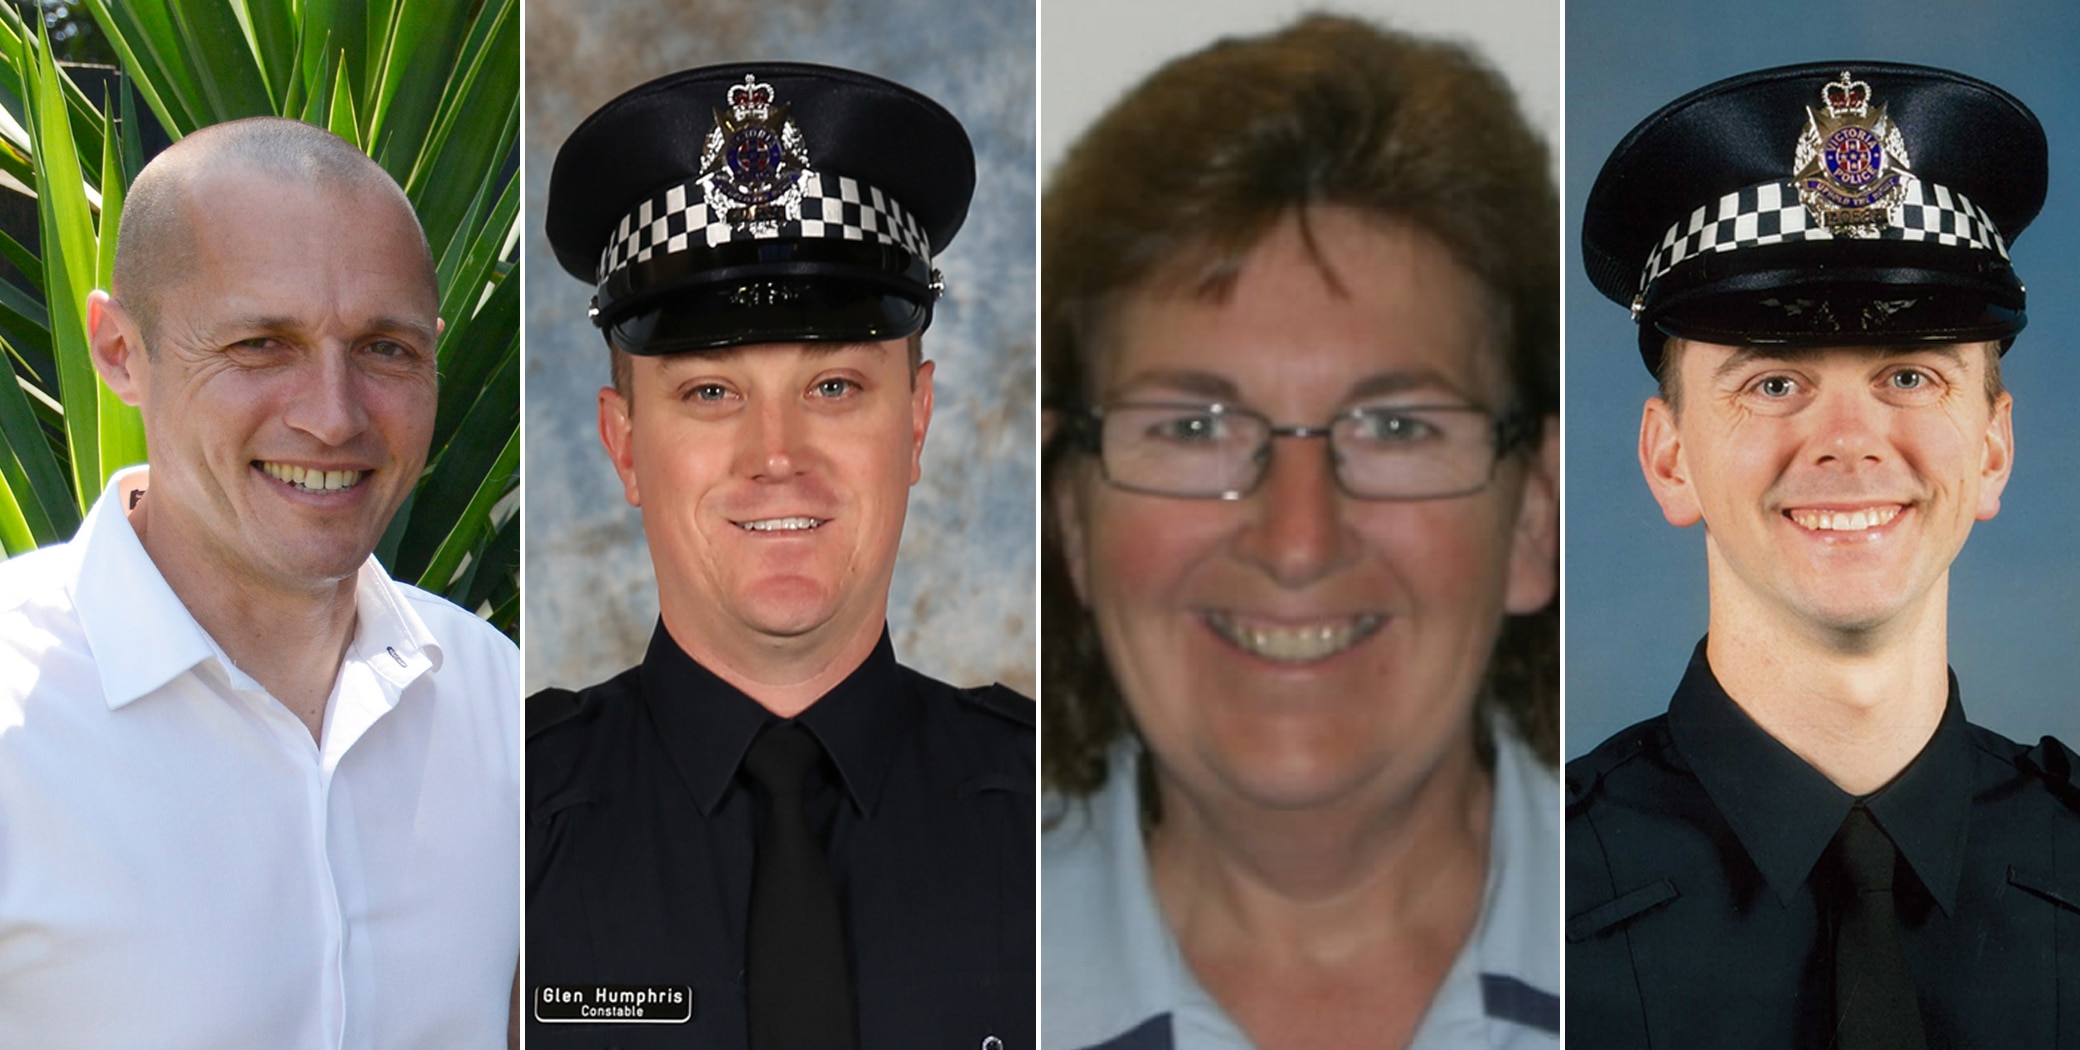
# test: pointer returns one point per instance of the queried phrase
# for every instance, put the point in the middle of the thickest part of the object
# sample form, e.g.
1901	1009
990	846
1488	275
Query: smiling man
770	834
1813	847
252	789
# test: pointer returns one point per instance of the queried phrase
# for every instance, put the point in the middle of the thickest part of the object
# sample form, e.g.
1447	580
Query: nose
329	405
1849	430
1296	532
771	441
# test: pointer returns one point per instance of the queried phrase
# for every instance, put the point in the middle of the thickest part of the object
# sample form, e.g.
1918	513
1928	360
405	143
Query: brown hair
1183	177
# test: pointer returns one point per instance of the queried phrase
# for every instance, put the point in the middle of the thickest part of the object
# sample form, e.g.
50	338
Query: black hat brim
778	291
1853	293
784	310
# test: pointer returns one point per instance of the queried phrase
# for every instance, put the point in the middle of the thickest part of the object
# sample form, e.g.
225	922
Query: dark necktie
1875	1007
798	993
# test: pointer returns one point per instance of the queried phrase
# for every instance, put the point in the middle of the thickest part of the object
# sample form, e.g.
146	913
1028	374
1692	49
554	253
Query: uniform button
992	1043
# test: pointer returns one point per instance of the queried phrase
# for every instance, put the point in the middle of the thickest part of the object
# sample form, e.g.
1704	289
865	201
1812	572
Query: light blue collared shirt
1113	978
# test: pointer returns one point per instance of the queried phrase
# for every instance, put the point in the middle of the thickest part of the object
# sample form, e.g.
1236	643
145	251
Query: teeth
312	480
797	524
1304	644
1844	520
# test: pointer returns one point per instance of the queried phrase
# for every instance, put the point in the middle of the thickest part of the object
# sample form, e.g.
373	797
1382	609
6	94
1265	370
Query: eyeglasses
1380	452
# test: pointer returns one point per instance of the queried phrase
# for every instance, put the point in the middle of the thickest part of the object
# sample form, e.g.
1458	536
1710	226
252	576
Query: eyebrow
276	324
1742	357
1220	388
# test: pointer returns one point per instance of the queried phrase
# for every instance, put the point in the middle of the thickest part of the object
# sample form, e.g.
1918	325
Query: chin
1297	776
788	612
321	567
1851	613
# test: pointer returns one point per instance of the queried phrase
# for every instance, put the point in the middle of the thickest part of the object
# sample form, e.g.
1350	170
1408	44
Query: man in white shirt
253	792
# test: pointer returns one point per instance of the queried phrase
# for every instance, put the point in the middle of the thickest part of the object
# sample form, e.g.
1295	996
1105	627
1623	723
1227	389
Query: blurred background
961	608
1635	587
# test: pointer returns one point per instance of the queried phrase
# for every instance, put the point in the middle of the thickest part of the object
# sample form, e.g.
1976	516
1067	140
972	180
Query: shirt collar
1516	942
1785	812
707	724
1927	809
142	635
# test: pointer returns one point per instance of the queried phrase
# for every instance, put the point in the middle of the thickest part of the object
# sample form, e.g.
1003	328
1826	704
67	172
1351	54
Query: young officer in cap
771	834
1813	847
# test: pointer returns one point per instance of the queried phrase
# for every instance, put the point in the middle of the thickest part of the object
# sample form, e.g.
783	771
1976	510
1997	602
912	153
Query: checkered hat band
1771	213
831	206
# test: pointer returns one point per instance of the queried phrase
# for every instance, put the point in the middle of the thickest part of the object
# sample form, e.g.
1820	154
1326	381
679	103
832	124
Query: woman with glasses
1300	676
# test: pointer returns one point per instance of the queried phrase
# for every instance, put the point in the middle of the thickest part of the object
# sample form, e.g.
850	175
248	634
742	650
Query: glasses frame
1508	431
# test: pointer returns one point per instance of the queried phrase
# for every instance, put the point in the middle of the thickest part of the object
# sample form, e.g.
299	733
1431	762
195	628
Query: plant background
961	607
429	88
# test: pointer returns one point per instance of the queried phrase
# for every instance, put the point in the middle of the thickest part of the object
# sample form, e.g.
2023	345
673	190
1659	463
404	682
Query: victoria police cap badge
754	158
1851	165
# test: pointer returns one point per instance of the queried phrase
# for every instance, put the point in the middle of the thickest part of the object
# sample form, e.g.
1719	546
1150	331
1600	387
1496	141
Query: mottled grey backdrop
962	605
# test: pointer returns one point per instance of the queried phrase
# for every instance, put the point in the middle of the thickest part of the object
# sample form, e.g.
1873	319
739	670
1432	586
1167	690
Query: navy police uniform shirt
641	837
1700	885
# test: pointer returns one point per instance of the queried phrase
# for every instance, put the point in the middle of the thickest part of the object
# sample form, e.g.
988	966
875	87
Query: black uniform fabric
642	829
1699	911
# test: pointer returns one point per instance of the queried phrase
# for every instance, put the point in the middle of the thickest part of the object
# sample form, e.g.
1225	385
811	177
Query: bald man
253	792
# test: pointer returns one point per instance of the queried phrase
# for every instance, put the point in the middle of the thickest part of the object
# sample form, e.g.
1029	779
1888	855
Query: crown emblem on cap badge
754	158
1851	163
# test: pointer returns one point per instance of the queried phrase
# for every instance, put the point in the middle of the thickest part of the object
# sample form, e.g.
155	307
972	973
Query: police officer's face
1835	485
290	393
1299	646
773	482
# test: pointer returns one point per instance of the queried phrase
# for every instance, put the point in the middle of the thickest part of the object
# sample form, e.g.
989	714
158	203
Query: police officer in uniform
1813	847
771	834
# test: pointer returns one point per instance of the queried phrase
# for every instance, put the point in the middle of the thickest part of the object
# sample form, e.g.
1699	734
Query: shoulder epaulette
1002	701
2055	763
1585	774
550	708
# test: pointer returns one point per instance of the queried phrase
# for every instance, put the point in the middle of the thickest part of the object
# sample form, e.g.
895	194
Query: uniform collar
142	635
707	724
1785	812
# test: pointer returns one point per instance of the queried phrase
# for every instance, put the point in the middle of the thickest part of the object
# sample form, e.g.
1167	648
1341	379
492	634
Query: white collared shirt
1114	979
181	865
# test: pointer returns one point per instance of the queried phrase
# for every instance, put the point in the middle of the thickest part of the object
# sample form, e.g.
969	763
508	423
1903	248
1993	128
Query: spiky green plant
429	88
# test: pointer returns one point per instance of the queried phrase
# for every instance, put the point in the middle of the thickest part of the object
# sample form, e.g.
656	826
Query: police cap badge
1783	207
760	203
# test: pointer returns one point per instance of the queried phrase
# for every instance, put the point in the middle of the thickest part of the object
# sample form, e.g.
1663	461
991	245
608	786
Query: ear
1066	508
117	346
1534	566
617	433
920	417
1661	460
1999	459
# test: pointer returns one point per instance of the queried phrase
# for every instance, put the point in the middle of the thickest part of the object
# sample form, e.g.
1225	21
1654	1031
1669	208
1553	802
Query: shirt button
992	1043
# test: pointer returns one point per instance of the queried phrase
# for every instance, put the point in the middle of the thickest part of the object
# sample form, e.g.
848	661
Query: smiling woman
1299	484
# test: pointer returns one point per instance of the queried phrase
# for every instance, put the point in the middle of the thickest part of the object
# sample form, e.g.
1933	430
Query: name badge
613	1003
